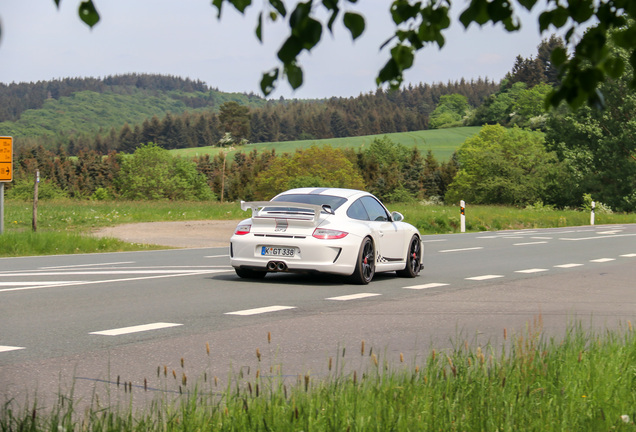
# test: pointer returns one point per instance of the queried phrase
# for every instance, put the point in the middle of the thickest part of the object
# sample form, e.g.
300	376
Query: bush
23	190
152	173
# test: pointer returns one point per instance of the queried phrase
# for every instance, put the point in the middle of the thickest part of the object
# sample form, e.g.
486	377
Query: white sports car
328	230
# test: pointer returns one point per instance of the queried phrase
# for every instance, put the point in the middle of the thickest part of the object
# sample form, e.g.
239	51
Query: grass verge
64	226
583	381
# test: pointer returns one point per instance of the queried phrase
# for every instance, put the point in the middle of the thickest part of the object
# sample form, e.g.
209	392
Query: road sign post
6	172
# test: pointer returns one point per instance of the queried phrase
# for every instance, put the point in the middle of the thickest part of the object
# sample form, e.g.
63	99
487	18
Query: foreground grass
580	382
64	226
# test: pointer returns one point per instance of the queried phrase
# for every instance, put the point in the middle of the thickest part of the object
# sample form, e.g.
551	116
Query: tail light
243	229
328	234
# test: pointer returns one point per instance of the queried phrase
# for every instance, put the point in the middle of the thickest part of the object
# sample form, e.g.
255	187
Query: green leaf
294	75
241	5
279	6
309	33
580	10
88	13
389	73
355	23
614	67
268	80
499	11
290	50
259	27
402	11
558	56
545	19
528	4
403	56
219	5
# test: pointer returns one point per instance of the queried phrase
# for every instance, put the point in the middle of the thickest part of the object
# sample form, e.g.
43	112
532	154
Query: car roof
339	192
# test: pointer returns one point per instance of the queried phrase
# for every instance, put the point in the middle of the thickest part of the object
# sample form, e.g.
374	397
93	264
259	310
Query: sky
40	42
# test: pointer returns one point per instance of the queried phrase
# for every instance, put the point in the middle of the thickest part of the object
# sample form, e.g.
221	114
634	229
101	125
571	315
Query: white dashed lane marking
570	265
632	255
4	348
484	277
461	250
426	286
261	310
135	329
530	243
603	260
533	270
353	296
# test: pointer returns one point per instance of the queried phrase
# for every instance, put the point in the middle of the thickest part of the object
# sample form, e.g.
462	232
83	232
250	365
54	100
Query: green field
442	142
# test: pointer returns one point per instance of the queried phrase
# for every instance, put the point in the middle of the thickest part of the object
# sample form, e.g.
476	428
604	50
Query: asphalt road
83	323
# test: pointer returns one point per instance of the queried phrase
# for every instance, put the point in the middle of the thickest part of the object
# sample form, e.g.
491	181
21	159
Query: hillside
89	112
120	113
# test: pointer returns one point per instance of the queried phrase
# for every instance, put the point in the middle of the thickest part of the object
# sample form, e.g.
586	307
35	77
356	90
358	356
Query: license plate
277	251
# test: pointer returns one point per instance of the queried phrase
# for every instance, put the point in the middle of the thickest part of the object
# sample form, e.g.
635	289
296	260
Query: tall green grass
583	381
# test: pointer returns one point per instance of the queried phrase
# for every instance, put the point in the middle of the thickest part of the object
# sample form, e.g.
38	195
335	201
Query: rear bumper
312	255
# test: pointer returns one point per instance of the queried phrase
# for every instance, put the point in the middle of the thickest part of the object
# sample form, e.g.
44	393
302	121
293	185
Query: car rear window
332	201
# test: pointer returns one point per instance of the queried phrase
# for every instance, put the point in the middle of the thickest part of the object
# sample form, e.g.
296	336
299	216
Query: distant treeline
267	121
392	171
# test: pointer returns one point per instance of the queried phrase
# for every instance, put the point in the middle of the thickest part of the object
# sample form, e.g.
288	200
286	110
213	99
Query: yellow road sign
6	172
6	159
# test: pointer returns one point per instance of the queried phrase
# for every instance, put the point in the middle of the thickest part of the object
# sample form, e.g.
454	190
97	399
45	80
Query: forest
524	155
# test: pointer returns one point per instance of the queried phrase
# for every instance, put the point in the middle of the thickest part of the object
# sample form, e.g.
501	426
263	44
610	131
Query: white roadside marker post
592	213
462	209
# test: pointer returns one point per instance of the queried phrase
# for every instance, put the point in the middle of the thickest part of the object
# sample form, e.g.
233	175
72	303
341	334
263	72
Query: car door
390	240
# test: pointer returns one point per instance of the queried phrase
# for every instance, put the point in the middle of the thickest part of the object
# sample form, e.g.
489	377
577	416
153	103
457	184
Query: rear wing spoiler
312	212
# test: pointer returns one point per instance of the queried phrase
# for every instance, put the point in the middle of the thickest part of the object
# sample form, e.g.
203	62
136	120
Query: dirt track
191	234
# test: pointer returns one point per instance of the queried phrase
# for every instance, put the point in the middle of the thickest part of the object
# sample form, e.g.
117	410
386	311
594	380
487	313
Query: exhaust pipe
278	266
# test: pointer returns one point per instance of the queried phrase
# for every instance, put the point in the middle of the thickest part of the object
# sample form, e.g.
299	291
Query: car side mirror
397	217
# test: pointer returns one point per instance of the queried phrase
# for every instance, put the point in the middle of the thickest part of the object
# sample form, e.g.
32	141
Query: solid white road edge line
113	280
135	329
88	265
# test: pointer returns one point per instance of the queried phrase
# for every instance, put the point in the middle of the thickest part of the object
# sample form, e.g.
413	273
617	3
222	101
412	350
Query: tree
506	166
600	147
449	112
151	173
422	23
235	120
316	166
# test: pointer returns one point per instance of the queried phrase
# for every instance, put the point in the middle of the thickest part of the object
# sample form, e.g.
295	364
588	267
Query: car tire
365	263
413	259
249	274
